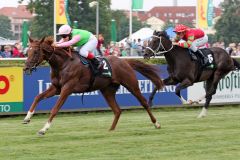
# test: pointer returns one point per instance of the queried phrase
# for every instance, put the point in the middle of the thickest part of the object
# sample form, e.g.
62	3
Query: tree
5	27
122	23
79	11
167	25
228	26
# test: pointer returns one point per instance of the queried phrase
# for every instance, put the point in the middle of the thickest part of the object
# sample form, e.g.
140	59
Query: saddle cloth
208	53
106	71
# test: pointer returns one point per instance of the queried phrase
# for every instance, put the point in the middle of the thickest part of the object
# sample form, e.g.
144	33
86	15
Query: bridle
156	51
35	61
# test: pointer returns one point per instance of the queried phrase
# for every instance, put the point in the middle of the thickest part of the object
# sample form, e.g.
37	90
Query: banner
39	81
61	17
11	89
204	13
137	4
228	89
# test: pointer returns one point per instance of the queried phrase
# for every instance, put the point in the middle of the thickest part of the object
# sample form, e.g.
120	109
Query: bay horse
184	71
69	75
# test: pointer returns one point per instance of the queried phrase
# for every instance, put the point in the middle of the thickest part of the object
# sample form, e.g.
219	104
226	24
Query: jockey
193	39
79	38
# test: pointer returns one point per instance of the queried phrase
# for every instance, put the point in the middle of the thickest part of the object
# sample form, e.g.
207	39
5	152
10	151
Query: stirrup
100	66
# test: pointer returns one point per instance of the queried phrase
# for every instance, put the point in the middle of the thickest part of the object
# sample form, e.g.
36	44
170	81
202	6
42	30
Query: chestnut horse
69	75
185	72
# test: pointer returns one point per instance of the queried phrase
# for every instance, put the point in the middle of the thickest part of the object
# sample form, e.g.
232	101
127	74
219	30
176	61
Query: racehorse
69	75
184	71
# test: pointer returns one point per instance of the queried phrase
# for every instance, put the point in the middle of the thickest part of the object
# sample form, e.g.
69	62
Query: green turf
86	136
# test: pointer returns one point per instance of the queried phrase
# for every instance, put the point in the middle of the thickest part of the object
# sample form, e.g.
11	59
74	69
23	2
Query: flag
113	31
24	34
137	4
61	17
204	13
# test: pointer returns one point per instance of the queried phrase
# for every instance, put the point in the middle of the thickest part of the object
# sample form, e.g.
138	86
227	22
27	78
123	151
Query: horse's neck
57	61
175	55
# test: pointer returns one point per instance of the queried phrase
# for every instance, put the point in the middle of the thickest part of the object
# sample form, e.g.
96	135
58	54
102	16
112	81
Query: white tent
4	41
143	34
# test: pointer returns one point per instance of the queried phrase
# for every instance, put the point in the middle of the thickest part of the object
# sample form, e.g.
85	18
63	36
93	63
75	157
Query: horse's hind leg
109	94
134	89
211	87
51	91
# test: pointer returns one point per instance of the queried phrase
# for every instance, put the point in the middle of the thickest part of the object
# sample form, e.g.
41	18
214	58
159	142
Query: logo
4	84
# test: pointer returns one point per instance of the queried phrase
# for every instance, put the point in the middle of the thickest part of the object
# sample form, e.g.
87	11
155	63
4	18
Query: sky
125	4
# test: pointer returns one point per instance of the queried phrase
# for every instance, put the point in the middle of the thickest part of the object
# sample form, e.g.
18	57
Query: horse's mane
161	33
49	40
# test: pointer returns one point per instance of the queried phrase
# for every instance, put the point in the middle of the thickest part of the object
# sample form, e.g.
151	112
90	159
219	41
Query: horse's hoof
26	121
190	102
41	133
157	125
196	102
201	116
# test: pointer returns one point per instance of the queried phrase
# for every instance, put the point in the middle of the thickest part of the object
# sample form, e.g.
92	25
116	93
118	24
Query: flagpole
130	21
196	14
54	20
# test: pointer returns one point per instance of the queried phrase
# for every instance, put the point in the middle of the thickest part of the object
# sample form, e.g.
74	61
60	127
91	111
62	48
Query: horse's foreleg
65	92
184	84
51	91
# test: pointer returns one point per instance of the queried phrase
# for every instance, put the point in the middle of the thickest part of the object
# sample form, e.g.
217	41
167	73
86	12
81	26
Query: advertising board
11	89
39	81
228	89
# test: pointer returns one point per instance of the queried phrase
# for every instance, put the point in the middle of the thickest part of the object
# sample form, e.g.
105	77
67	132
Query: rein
157	52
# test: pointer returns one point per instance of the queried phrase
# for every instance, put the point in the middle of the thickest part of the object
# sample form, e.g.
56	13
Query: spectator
16	52
107	52
128	47
7	52
238	50
139	47
100	44
1	54
231	49
116	50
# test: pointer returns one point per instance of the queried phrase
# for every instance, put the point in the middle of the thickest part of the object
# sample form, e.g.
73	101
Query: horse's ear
154	32
30	39
42	40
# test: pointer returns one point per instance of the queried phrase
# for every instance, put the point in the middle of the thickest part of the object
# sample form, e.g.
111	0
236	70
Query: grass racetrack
86	136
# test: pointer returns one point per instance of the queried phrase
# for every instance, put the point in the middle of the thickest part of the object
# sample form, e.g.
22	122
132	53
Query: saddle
105	72
195	56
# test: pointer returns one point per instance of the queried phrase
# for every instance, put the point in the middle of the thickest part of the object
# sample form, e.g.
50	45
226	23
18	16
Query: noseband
157	52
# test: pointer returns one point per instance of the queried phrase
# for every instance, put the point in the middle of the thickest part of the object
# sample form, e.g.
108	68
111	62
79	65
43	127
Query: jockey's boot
98	63
95	61
205	58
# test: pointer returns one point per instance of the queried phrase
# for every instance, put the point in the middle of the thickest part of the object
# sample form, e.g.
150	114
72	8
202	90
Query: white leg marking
28	117
183	100
203	113
157	124
45	128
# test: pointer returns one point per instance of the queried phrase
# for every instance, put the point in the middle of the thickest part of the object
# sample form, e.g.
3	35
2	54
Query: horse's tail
236	64
149	71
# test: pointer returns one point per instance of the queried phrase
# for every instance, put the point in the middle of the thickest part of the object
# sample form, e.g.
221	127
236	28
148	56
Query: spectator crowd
136	47
8	51
129	47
